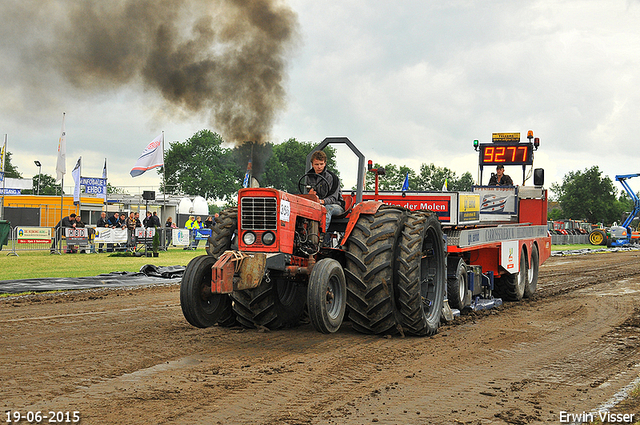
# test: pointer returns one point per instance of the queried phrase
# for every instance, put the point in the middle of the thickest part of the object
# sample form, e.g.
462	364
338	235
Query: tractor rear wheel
422	274
458	292
532	273
510	287
597	237
327	296
200	307
274	305
223	233
370	264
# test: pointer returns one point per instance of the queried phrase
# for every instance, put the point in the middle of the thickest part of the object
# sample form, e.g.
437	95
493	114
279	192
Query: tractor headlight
268	238
249	238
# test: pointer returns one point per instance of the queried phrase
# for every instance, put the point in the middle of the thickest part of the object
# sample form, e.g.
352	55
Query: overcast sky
409	82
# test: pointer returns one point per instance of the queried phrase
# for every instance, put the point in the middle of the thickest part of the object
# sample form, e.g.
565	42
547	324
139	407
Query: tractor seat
348	205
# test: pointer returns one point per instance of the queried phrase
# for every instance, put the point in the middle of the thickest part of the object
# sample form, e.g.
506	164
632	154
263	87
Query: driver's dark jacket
505	180
322	189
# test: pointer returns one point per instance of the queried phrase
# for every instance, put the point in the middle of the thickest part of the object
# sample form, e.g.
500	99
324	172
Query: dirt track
128	356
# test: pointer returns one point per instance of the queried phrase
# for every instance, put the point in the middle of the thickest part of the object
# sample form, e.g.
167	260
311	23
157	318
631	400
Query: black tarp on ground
5	231
148	275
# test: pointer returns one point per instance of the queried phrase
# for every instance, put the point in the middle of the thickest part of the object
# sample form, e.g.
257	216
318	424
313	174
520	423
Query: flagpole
79	206
104	172
4	175
63	134
164	180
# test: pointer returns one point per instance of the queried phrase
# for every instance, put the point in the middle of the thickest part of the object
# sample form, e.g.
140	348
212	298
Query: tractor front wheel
327	296
200	307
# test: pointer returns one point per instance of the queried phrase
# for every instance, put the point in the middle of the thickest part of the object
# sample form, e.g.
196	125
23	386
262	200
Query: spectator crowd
119	220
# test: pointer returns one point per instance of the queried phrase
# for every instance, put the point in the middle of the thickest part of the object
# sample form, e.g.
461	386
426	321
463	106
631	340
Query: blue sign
8	191
202	234
94	185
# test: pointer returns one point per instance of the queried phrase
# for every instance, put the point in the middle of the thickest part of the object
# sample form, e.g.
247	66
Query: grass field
35	264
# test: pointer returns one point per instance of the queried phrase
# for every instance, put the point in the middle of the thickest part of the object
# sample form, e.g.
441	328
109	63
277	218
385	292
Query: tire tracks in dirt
129	357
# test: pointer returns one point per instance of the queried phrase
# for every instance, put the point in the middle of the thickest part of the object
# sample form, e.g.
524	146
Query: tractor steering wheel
314	186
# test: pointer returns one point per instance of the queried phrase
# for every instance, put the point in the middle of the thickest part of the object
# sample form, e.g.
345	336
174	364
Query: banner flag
2	155
247	176
76	177
61	165
152	157
405	185
445	186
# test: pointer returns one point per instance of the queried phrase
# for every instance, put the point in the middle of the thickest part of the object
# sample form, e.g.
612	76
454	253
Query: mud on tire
370	263
422	274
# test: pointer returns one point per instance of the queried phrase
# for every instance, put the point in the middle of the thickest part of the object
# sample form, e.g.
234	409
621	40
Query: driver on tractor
326	185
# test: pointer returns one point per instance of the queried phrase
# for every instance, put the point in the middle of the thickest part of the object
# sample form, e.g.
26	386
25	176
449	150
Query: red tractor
266	262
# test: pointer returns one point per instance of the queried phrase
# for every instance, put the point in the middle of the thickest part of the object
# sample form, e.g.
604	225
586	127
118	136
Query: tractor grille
258	213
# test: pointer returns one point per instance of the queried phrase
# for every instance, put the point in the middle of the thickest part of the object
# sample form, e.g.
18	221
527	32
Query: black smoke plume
222	58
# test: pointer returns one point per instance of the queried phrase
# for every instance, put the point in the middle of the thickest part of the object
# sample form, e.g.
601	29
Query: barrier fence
104	239
569	239
101	239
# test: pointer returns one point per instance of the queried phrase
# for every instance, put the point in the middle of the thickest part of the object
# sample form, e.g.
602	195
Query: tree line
590	196
203	166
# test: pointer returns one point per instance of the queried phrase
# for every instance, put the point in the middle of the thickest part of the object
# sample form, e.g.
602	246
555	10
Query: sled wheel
458	292
532	273
510	287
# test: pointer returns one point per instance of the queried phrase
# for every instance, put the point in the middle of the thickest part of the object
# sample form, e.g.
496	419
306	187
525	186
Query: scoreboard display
506	153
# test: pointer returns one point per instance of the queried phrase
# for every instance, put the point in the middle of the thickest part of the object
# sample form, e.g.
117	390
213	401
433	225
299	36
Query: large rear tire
274	305
200	307
532	273
370	264
597	237
223	233
422	274
327	296
458	292
510	287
